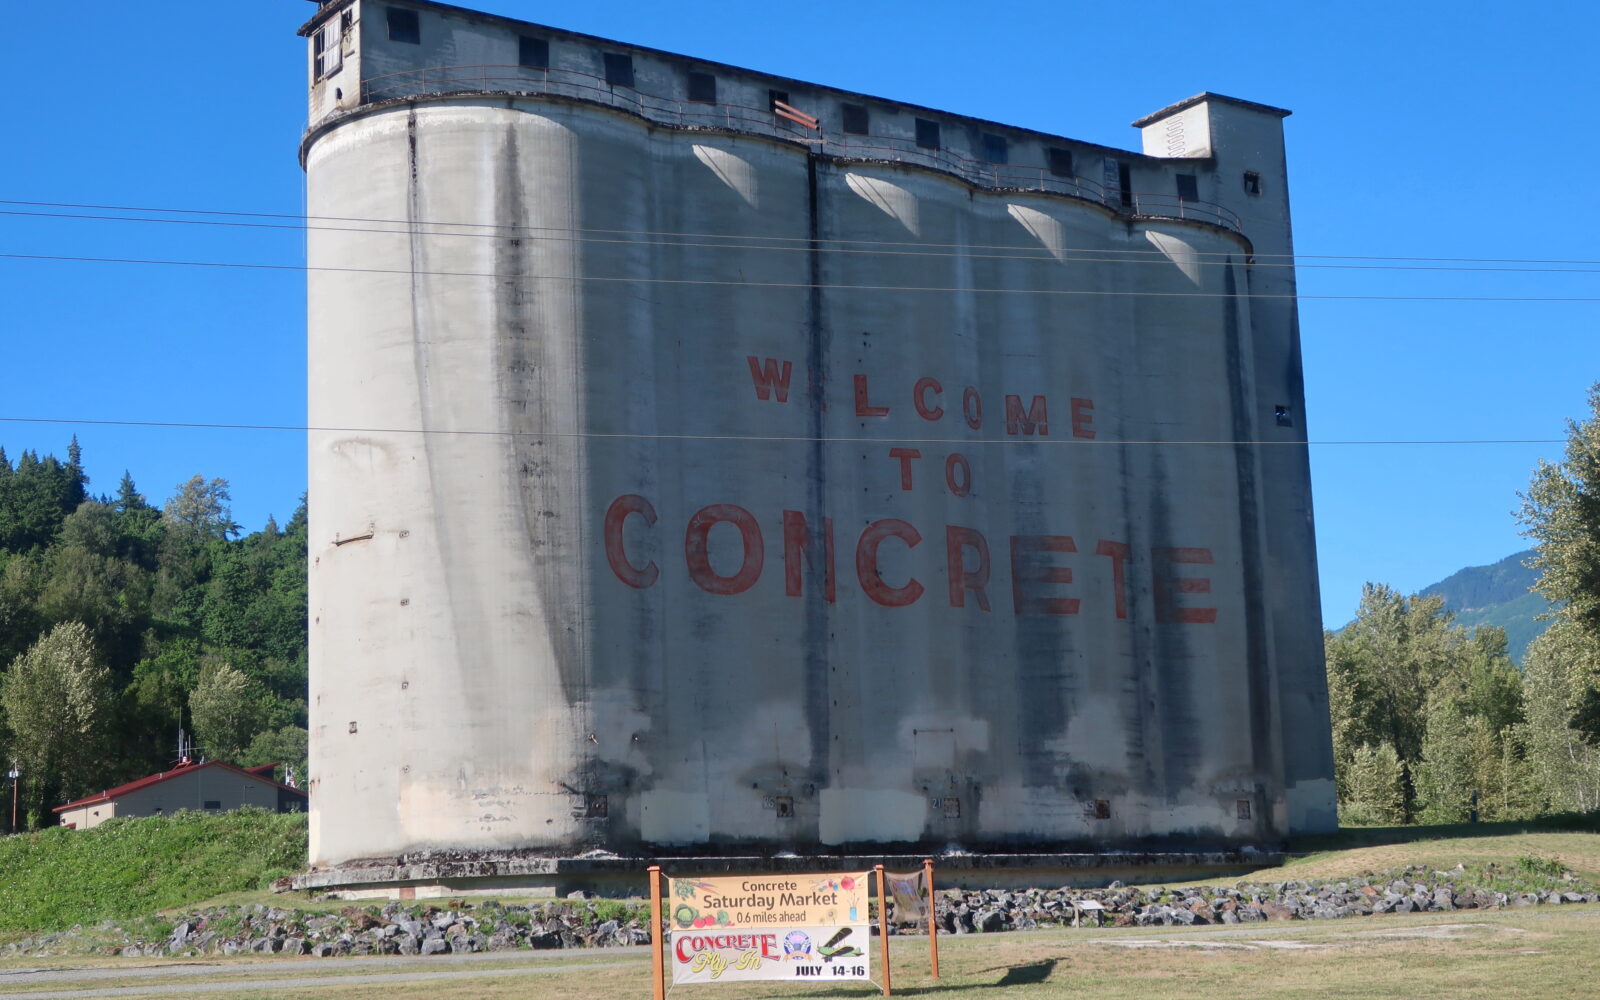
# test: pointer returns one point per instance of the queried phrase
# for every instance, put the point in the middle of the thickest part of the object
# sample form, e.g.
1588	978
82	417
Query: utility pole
14	774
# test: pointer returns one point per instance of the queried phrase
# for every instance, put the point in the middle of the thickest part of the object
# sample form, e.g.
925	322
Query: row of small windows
854	119
1189	185
534	53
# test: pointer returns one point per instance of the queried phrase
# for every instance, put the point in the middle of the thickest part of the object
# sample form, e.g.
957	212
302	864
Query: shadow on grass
1030	974
1377	836
1033	972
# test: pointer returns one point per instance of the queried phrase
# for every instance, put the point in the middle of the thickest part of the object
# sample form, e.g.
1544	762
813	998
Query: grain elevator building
705	461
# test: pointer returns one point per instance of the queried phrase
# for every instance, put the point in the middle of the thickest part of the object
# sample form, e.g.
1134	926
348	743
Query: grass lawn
1359	850
1540	953
1543	952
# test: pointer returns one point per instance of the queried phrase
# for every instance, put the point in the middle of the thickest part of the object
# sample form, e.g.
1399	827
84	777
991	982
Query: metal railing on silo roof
445	80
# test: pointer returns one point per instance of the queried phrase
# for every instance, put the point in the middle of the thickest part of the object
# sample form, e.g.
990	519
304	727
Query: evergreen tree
35	498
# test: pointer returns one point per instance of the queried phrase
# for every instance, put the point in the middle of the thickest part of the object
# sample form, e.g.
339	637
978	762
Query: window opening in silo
702	88
855	119
994	149
1252	182
316	56
533	53
596	807
404	26
1061	162
347	20
1188	188
213	804
784	804
619	69
927	134
1281	415
1101	809
1242	808
1124	185
775	98
952	807
332	49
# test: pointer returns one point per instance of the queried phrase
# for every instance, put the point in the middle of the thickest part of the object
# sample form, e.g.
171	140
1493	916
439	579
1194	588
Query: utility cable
798	285
1035	254
772	438
801	241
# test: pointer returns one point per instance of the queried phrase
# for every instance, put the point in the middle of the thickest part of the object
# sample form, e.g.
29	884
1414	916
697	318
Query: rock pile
1407	890
420	928
393	929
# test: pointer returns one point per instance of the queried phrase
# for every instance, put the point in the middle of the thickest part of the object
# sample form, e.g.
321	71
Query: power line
799	241
728	283
776	438
1039	254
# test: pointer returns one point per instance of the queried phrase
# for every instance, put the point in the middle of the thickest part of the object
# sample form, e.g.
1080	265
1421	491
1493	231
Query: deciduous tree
57	699
1565	767
1376	783
1561	512
203	507
225	708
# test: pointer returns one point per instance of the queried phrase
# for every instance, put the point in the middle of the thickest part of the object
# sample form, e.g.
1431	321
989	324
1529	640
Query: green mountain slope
1497	594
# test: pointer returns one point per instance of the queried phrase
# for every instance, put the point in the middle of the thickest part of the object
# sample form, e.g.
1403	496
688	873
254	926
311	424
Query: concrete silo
710	462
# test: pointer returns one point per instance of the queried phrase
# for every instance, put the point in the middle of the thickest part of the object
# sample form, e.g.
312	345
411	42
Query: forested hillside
1499	594
122	620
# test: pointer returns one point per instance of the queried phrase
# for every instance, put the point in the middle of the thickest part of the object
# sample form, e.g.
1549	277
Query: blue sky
1424	130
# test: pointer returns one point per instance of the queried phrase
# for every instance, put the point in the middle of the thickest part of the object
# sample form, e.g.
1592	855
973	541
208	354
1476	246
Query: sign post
933	913
883	925
657	963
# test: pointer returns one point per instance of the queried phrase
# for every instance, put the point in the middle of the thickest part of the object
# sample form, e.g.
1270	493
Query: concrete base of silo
432	875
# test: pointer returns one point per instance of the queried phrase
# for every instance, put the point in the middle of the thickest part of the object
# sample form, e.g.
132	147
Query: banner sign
909	890
739	928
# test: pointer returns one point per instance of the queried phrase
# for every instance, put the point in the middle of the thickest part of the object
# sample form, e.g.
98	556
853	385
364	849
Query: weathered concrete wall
738	538
1247	141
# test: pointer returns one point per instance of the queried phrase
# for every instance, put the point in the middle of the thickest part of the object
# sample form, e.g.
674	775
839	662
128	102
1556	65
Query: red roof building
209	787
